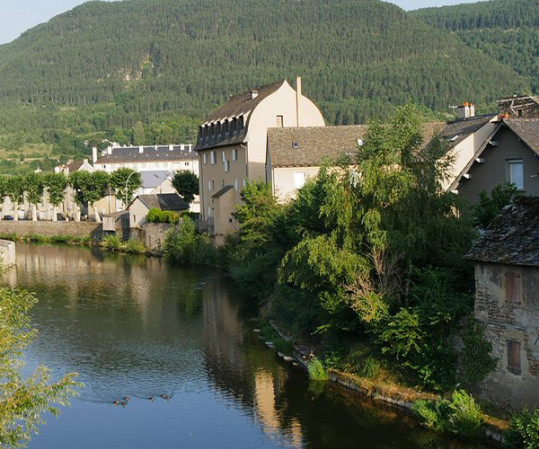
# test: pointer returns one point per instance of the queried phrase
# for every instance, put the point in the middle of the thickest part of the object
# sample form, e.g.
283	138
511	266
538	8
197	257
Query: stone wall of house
154	234
7	253
51	228
510	321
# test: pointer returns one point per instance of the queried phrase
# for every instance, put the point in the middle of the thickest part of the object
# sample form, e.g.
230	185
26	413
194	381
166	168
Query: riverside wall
23	228
7	253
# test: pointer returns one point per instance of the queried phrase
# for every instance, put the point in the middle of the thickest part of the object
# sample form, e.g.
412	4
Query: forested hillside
507	30
103	68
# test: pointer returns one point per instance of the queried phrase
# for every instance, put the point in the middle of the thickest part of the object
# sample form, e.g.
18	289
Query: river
136	327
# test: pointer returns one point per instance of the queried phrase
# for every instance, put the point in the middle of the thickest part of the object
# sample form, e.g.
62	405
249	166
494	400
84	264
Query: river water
133	326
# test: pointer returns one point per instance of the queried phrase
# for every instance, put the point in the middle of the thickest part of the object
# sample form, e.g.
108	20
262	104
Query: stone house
506	260
232	146
140	206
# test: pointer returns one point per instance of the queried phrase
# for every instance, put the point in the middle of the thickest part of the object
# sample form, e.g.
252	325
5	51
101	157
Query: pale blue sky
16	16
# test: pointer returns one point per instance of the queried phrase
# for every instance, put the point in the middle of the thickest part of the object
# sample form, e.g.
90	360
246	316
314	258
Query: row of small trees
88	188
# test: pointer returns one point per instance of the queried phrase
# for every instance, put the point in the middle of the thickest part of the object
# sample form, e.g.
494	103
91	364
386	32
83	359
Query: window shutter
513	357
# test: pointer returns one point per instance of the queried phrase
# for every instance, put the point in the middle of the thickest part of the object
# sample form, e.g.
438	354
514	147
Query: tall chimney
298	97
94	155
254	94
140	149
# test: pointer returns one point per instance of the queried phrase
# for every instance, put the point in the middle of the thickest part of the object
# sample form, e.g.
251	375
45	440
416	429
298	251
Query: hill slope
506	30
98	69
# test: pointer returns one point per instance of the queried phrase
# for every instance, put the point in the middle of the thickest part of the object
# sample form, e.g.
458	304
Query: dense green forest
95	72
506	30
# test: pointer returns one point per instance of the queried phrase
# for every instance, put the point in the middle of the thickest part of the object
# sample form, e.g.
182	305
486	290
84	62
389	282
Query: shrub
317	371
523	432
185	246
112	242
461	415
135	246
162	216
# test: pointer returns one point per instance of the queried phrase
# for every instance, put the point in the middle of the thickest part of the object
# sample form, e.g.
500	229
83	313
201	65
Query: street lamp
126	183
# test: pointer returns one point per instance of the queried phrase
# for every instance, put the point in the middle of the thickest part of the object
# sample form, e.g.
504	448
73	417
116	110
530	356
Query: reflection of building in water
83	274
248	372
268	412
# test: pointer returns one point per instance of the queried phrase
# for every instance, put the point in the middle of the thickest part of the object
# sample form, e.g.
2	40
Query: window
236	185
513	357
213	186
513	287
235	154
227	166
279	121
244	183
213	157
516	173
299	180
223	156
209	186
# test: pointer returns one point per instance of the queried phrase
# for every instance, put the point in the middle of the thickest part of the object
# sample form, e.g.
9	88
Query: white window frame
213	157
518	180
234	154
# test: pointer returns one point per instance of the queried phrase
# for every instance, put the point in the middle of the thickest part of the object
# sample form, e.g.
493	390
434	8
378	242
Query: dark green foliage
506	30
124	182
89	187
86	76
524	430
490	206
186	184
461	415
55	184
162	216
185	246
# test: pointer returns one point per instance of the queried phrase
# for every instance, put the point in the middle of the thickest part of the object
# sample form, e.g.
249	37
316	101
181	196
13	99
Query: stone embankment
24	228
7	253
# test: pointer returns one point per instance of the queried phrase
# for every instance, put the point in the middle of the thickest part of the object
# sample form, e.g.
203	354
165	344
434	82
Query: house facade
506	261
140	206
232	146
501	150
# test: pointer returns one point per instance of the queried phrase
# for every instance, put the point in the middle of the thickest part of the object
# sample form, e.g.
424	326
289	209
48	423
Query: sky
16	16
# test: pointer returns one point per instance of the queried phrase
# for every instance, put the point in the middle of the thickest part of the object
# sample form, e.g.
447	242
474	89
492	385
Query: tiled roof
240	105
457	131
164	201
244	103
160	153
527	130
310	146
74	166
513	237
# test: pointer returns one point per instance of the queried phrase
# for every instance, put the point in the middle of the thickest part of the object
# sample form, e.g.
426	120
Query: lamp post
126	183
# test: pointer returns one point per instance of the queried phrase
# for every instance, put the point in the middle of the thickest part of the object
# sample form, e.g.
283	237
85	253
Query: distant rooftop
153	153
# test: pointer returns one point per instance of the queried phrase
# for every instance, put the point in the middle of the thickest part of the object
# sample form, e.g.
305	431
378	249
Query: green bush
112	242
461	415
135	246
317	371
523	432
185	246
162	216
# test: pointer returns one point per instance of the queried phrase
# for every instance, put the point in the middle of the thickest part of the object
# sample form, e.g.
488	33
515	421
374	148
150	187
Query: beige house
296	154
506	263
232	146
140	206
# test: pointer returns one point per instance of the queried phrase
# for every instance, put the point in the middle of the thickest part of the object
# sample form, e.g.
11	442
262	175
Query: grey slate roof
240	105
513	237
160	153
310	146
153	178
243	103
164	201
456	132
527	130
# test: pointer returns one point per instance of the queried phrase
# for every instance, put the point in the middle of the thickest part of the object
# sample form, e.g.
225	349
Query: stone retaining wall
51	228
154	234
7	253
